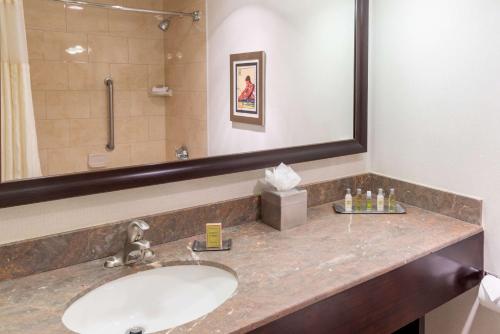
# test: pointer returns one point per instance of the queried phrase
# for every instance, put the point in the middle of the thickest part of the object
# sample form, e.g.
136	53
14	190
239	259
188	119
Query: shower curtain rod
194	15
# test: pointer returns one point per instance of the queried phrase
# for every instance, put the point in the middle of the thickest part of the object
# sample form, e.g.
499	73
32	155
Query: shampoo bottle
380	200
369	201
357	200
392	200
348	201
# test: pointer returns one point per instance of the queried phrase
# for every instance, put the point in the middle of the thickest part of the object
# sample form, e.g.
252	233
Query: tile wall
186	73
72	49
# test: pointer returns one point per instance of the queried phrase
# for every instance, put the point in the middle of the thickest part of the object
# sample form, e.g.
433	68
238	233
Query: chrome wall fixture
163	25
182	153
194	15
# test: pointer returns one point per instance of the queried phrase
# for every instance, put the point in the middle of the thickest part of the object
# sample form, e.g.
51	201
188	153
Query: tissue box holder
284	210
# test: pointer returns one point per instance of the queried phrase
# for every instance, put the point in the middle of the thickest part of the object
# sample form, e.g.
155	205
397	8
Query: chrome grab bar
111	115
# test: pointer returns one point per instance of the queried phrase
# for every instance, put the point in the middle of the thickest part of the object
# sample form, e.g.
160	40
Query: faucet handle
136	230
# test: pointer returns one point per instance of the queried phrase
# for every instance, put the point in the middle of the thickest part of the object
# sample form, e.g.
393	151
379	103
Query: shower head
164	25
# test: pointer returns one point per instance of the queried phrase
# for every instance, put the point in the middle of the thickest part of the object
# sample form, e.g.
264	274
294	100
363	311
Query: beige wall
186	73
69	91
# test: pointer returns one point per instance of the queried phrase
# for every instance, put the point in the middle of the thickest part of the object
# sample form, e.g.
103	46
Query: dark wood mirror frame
66	186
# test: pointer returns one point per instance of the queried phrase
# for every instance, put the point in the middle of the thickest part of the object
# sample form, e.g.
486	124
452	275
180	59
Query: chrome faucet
136	249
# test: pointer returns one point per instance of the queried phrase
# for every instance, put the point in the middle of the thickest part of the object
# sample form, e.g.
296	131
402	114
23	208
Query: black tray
201	246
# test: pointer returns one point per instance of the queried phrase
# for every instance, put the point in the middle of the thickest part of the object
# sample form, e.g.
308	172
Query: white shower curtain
19	148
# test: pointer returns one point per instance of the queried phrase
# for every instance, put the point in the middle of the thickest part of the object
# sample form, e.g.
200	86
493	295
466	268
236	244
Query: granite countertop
278	272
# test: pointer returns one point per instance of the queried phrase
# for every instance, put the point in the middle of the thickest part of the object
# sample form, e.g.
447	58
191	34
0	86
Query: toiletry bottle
380	200
392	200
348	201
369	201
357	200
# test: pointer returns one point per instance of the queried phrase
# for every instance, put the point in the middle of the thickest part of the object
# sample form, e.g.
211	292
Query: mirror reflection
88	86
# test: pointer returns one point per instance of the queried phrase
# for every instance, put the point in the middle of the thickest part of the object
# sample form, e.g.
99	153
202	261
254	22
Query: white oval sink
155	300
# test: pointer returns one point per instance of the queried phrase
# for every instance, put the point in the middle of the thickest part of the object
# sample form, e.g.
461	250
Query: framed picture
247	87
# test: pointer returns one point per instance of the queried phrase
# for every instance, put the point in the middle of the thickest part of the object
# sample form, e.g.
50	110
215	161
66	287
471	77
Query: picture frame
248	88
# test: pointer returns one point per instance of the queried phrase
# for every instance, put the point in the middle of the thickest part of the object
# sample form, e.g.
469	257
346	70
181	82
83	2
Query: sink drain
135	330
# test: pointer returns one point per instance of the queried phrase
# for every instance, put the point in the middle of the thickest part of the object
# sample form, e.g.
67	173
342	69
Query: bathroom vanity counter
279	273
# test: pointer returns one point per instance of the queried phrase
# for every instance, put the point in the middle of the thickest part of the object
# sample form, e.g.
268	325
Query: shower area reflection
144	46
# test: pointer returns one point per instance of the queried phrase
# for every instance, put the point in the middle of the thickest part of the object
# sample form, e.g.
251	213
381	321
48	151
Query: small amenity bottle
380	200
369	203
392	200
348	201
357	200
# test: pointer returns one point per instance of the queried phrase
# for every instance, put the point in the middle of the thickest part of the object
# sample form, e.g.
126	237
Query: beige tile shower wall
69	92
186	72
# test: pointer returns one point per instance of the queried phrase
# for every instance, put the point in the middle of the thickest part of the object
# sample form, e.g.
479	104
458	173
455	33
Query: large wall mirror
102	95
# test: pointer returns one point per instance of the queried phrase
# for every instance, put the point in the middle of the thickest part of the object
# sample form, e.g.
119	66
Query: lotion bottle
380	200
348	201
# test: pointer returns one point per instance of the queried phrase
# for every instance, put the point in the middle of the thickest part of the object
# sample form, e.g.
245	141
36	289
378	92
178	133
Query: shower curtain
19	147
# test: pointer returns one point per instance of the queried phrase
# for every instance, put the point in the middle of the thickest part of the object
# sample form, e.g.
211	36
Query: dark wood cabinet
394	302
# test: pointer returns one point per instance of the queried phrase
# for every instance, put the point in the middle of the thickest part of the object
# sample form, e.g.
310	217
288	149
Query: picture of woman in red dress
248	94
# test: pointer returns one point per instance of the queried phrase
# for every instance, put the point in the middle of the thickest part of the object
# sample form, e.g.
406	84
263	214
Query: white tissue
282	178
489	293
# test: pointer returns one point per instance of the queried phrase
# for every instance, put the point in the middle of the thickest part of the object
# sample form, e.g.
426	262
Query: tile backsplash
72	49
